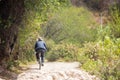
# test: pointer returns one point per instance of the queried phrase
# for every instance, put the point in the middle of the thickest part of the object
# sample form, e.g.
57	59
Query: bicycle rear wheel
40	63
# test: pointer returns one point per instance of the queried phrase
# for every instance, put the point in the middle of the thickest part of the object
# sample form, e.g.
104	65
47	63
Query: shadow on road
10	74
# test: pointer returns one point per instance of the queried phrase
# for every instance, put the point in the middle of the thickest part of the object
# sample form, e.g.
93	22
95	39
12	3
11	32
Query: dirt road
56	71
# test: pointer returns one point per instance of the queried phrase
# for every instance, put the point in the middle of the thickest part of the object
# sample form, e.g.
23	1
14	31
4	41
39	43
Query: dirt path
56	71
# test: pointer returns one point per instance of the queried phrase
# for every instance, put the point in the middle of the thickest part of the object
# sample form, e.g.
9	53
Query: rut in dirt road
56	71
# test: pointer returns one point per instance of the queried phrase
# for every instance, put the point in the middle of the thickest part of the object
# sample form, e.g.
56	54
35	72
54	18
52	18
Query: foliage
91	50
66	27
102	58
115	23
71	25
45	8
64	51
10	17
52	56
103	31
36	13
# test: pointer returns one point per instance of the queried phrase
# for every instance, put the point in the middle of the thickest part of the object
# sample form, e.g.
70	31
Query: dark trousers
42	51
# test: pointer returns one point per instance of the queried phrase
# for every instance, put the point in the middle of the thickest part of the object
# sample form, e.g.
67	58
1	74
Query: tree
71	25
11	12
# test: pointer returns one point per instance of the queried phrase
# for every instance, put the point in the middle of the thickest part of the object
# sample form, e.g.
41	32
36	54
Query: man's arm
45	45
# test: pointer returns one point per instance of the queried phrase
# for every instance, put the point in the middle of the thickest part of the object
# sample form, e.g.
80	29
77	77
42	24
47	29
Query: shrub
65	51
52	56
104	58
91	50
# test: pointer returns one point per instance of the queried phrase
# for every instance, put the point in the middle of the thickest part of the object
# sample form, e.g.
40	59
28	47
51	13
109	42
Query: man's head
40	39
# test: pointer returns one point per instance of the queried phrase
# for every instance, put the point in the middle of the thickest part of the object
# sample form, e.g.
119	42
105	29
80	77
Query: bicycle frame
39	62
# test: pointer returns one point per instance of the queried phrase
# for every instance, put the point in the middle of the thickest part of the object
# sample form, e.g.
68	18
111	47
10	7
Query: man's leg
37	56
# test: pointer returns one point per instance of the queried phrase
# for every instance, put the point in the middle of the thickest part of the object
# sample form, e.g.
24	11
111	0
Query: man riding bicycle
40	47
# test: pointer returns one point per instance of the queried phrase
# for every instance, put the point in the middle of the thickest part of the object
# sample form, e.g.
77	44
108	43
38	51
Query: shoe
42	64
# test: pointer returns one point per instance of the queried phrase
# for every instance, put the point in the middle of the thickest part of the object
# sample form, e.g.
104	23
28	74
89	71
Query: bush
65	51
102	58
91	50
52	56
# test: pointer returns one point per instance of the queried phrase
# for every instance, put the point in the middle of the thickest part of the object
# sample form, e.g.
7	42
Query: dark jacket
40	45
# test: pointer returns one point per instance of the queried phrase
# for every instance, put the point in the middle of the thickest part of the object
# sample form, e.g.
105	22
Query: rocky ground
56	71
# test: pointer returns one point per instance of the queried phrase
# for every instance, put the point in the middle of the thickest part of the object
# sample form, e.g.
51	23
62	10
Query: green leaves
115	23
45	7
37	12
64	51
102	58
71	24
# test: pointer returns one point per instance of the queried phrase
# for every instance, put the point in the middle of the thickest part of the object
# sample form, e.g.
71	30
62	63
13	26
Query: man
40	47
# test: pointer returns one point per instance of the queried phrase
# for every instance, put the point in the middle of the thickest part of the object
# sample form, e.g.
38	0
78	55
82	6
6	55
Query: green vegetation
115	23
71	25
71	33
64	51
102	58
73	40
37	12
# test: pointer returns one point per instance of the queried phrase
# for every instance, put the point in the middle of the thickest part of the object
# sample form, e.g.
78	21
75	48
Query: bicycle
38	57
39	61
